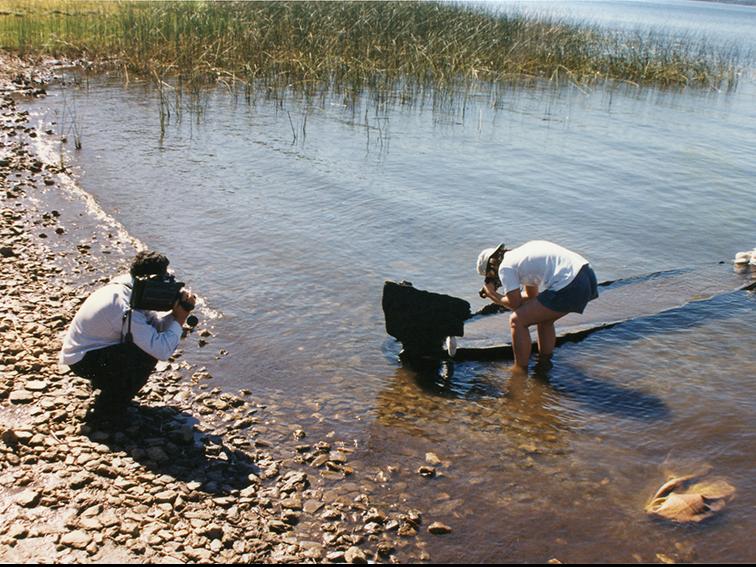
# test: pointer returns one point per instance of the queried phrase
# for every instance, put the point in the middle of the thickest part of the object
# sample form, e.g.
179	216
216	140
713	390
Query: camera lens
192	321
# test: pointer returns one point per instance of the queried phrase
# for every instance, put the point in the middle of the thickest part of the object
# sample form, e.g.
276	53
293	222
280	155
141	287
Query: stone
319	461
311	506
21	397
432	459
313	551
36	385
10	438
166	496
293	503
375	515
385	548
372	528
355	555
438	528
278	526
92	523
212	531
28	498
198	554
335	557
24	437
427	472
157	454
407	530
79	480
77	539
17	531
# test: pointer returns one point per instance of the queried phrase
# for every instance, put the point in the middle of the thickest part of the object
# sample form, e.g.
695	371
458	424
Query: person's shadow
472	382
167	441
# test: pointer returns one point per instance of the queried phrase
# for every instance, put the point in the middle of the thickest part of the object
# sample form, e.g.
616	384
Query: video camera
157	293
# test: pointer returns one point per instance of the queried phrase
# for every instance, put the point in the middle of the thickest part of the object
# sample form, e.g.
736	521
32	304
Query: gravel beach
191	477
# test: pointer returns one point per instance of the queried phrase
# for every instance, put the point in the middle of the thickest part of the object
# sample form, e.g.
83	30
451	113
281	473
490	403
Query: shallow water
288	218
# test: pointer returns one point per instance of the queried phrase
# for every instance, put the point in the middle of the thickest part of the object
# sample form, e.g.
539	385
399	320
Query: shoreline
190	478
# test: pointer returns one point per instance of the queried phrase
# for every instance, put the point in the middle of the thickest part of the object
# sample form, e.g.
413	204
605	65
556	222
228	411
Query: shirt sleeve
510	281
157	342
161	322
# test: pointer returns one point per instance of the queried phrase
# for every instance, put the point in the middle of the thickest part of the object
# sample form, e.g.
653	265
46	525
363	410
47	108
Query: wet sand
196	474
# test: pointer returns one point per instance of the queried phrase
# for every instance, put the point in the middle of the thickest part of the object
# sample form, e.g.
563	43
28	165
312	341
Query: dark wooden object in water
421	320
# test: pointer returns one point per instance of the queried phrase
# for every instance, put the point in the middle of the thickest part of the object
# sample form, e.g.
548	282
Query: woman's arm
511	300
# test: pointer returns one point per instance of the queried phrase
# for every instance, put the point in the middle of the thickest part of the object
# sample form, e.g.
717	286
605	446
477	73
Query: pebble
406	530
432	459
156	490
21	397
28	498
26	437
77	539
157	454
10	438
166	496
36	385
335	557
17	531
355	555
427	472
438	528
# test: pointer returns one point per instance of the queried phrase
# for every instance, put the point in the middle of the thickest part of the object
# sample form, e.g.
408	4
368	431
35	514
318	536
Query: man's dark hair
149	264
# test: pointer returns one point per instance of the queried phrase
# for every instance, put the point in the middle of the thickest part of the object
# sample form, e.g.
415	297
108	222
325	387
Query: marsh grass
351	47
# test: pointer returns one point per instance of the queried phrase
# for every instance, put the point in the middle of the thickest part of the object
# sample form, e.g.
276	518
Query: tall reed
350	46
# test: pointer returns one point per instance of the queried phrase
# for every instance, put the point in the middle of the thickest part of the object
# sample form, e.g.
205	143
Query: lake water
288	217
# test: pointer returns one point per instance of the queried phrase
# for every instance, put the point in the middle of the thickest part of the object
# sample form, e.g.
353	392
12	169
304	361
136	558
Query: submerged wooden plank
619	303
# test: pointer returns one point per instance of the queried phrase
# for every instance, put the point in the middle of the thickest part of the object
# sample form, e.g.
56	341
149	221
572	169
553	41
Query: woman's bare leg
546	338
531	313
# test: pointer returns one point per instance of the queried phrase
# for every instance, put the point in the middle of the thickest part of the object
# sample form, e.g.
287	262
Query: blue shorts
575	296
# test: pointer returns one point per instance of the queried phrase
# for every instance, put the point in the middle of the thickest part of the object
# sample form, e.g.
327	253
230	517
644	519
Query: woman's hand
489	290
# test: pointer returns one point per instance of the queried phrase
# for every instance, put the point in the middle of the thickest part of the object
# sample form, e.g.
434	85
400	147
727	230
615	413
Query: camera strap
128	338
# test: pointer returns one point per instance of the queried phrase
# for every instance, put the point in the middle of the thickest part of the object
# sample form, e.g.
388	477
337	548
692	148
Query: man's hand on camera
180	313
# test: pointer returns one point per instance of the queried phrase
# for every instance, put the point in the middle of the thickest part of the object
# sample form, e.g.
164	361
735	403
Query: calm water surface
288	218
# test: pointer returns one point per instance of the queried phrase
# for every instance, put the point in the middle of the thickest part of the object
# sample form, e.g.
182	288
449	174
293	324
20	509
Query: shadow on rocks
166	441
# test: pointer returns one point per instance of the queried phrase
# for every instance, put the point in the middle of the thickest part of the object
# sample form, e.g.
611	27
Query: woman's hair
149	264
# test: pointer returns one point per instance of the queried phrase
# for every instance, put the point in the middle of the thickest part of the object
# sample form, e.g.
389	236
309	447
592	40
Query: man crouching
115	342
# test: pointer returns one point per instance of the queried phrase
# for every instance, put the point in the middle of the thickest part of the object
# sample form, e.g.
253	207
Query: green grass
350	46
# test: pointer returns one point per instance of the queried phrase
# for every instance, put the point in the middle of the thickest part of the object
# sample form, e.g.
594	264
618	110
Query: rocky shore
191	476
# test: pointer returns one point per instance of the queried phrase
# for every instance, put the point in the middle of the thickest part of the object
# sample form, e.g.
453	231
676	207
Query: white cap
484	257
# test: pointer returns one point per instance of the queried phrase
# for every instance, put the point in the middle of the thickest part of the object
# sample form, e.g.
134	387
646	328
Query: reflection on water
477	385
